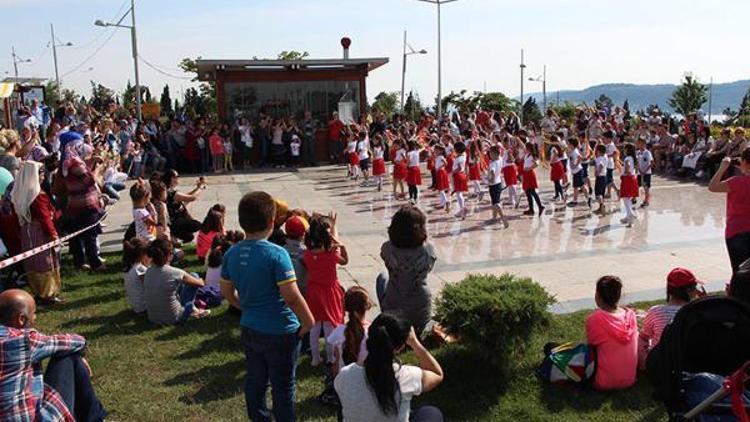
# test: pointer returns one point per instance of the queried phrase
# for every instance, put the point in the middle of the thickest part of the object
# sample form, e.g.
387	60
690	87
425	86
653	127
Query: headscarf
67	141
25	190
75	154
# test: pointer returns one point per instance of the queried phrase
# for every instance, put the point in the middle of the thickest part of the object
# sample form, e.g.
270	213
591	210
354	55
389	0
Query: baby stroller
708	339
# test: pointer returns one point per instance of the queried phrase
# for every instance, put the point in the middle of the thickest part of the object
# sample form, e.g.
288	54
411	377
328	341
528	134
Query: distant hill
640	96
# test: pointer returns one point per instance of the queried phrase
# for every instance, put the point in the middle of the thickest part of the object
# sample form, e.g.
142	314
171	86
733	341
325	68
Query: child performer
495	181
557	170
378	163
414	173
510	173
600	172
475	168
609	144
530	185
442	184
460	181
399	168
351	150
576	168
645	164
363	154
629	185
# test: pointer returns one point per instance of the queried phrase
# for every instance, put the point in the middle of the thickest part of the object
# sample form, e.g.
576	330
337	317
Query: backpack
569	362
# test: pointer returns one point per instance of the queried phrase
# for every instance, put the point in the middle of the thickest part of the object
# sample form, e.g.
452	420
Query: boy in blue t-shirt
258	277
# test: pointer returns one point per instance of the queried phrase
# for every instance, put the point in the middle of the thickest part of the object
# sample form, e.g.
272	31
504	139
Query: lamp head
68	44
423	51
100	22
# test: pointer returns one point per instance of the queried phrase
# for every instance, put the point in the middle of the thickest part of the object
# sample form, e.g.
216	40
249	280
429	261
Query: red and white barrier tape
31	252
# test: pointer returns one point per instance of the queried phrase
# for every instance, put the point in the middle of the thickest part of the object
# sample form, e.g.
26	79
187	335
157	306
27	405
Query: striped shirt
657	318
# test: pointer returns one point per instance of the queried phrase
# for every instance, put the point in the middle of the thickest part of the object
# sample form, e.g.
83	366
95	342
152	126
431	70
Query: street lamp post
543	80
54	54
523	66
17	60
403	71
134	42
440	74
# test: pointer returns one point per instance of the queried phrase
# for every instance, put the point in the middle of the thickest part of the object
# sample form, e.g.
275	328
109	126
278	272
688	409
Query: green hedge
495	315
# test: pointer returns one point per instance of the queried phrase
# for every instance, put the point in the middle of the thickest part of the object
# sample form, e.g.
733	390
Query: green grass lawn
195	371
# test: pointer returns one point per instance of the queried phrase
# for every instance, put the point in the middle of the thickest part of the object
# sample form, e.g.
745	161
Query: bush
495	315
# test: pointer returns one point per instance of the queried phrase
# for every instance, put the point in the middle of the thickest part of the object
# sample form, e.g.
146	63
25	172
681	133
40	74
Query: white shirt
400	155
295	146
134	287
378	151
601	165
507	162
575	161
364	149
645	158
439	162
213	276
351	147
142	230
337	338
413	158
555	155
611	148
528	162
358	401
459	164
628	167
496	172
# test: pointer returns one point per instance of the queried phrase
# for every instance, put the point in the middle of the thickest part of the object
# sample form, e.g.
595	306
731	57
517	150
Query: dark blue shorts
644	180
610	176
578	179
585	170
600	187
495	191
364	164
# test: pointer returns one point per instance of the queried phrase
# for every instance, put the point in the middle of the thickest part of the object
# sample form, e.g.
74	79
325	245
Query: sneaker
505	224
588	201
528	212
644	204
572	204
624	220
541	211
700	174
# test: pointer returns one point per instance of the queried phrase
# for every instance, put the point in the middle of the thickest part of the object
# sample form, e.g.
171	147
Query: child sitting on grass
143	212
212	226
135	263
169	291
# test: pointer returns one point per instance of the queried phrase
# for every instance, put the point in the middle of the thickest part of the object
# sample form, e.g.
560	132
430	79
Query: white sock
443	198
461	200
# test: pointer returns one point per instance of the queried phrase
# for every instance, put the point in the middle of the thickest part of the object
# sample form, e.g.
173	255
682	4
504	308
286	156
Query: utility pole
710	98
523	66
54	55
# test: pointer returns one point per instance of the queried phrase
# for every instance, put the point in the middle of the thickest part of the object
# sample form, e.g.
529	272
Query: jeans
271	358
264	150
184	228
381	283
187	297
112	189
84	247
738	247
426	414
70	378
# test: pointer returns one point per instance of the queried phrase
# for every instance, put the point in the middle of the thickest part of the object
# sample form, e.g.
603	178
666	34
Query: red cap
681	277
295	227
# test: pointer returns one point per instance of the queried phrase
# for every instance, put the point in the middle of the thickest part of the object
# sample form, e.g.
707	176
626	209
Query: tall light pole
17	60
543	80
440	73
710	98
54	54
403	71
134	42
523	66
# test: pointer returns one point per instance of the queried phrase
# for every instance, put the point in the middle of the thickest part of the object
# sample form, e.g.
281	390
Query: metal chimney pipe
346	42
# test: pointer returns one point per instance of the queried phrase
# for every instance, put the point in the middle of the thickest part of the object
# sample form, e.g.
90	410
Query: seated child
169	291
135	263
144	215
682	287
613	330
212	225
210	295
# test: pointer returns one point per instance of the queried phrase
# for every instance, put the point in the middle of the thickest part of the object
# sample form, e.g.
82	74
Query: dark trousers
69	377
270	358
738	247
84	247
308	151
264	142
112	189
426	414
531	196
184	228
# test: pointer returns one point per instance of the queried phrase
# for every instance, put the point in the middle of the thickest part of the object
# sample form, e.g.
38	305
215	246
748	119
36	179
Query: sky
581	42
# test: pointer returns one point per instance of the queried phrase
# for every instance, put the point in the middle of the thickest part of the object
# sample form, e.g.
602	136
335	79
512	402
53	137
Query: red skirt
628	187
474	172
460	182
449	163
430	163
529	180
399	171
354	158
510	174
378	167
557	171
414	176
519	167
442	183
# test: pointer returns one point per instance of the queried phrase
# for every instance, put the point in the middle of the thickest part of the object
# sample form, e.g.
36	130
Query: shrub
495	315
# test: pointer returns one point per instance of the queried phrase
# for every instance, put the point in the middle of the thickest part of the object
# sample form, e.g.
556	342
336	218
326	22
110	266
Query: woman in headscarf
83	206
35	216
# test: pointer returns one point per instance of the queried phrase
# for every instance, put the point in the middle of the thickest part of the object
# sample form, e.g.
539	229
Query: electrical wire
157	69
91	56
101	34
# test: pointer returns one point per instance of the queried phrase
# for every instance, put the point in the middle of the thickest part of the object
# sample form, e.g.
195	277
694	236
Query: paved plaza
565	250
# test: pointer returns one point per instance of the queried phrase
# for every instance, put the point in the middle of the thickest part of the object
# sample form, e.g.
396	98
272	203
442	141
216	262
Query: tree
177	107
149	99
745	104
292	55
386	103
604	102
689	96
531	112
566	111
496	101
101	97
206	91
413	106
165	102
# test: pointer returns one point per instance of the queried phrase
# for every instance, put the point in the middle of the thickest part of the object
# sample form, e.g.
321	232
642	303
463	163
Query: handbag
569	362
